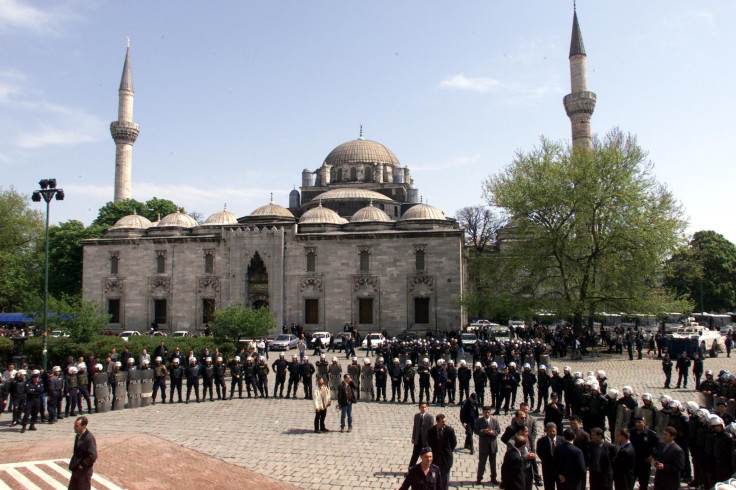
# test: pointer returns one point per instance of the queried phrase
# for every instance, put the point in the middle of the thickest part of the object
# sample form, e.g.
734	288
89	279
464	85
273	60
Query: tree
235	322
151	209
81	318
65	256
590	229
21	259
480	225
705	270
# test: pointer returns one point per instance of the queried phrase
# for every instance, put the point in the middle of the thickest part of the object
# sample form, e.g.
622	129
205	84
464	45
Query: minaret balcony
124	132
579	103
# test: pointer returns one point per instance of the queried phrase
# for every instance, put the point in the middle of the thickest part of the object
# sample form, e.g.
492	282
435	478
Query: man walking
424	476
602	454
345	398
623	463
85	455
422	423
487	429
442	440
682	366
570	463
513	476
468	415
546	447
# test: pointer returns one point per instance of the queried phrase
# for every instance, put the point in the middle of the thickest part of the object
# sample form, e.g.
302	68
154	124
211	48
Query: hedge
61	348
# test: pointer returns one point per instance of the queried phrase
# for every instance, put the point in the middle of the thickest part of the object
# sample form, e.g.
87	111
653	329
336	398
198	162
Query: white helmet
396	359
440	362
579	382
494	364
82	365
408	363
322	356
98	367
192	358
334	359
72	370
35	372
702	414
674	404
601	374
477	364
542	367
209	359
627	390
462	362
379	359
425	360
612	393
305	358
366	361
119	364
56	368
555	370
526	366
590	374
512	364
692	407
158	359
646	397
715	420
237	358
566	369
731	429
578	375
219	359
596	387
131	360
250	358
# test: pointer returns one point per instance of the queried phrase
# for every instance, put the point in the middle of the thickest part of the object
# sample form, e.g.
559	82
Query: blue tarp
15	319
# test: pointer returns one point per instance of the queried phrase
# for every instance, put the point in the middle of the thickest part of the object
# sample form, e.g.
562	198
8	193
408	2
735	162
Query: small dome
352	193
361	151
179	220
321	215
423	212
272	209
132	221
220	218
370	213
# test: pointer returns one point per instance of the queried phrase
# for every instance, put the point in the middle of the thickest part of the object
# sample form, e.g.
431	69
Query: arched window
419	260
160	262
365	261
311	262
209	262
353	173
114	262
368	174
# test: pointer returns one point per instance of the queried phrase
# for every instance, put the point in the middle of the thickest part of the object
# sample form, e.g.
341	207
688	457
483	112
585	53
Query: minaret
580	103
124	131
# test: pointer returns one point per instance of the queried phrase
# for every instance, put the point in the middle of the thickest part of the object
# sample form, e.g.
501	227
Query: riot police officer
279	367
71	393
176	375
463	379
395	372
322	365
543	384
33	390
451	381
528	380
159	379
479	379
53	394
262	373
408	380
307	370
295	370
83	382
667	369
424	374
220	386
192	374
249	374
236	377
208	376
381	376
354	372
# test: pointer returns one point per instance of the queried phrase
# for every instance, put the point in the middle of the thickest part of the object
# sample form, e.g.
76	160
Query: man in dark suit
487	429
669	463
645	442
600	461
554	412
623	463
570	463
513	476
546	447
468	415
423	421
442	440
85	455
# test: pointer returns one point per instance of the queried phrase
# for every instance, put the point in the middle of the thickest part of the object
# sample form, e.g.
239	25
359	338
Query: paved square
275	437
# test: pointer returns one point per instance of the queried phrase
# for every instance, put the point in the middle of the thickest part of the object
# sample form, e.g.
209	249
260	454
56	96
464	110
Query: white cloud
20	15
474	84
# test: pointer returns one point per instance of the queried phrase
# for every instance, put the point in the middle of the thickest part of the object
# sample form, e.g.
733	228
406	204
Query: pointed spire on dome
224	207
126	81
360	137
272	198
370	203
576	41
135	212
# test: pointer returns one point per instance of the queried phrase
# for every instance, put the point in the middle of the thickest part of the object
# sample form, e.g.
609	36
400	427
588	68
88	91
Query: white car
376	340
60	333
126	334
181	333
468	339
323	337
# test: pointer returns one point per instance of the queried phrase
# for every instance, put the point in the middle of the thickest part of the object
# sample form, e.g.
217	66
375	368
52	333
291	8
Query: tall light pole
47	192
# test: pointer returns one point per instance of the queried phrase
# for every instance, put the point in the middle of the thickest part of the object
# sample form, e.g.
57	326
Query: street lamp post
47	192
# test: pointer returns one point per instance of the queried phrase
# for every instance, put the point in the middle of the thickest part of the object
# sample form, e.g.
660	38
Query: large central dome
361	151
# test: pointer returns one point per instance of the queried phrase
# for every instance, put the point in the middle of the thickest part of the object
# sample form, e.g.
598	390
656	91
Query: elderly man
425	475
321	402
85	455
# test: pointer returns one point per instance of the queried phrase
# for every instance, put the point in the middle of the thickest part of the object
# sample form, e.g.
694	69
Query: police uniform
396	373
424	374
83	381
220	386
262	373
279	367
236	378
159	380
366	381
381	377
34	389
249	373
192	374
176	376
417	480
72	392
335	374
354	372
307	370
208	376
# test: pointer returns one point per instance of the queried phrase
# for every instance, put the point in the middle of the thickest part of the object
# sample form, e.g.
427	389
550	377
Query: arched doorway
257	282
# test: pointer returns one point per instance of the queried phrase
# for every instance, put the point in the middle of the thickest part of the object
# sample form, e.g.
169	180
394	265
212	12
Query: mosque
355	244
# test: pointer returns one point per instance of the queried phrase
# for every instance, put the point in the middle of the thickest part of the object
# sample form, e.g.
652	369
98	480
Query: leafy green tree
21	263
151	209
705	270
235	322
589	230
65	256
81	318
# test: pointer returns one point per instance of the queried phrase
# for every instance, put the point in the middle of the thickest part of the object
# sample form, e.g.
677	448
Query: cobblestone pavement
275	436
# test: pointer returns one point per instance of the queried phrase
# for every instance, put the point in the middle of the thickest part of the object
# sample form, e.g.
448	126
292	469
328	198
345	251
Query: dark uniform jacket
623	467
513	476
417	480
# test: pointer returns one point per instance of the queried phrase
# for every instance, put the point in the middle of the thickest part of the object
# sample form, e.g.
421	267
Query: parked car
126	334
158	333
323	337
377	339
468	340
284	342
499	331
341	338
181	333
60	333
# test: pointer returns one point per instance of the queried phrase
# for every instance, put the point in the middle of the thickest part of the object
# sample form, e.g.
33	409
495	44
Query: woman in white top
321	402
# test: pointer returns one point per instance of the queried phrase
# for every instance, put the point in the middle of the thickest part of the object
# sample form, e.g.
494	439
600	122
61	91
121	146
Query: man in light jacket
321	402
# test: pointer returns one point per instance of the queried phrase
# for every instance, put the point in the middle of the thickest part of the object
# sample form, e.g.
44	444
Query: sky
234	99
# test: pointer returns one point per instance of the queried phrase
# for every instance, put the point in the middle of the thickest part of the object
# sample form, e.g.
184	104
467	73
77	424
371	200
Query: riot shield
706	401
663	420
623	417
103	395
648	415
120	388
146	387
335	380
544	360
366	384
134	388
